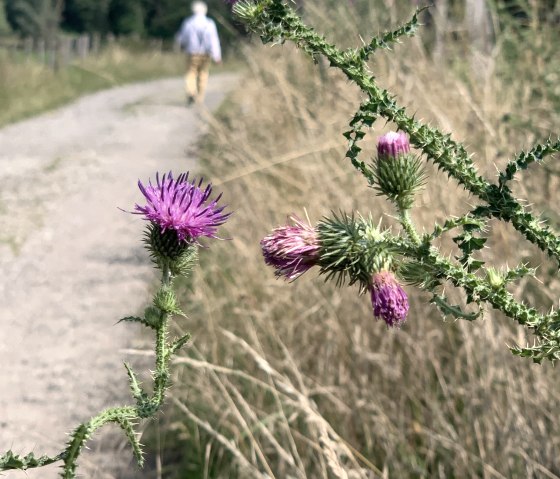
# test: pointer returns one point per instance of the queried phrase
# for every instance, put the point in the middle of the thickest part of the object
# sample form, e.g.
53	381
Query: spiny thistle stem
161	375
408	226
83	432
179	212
352	252
275	21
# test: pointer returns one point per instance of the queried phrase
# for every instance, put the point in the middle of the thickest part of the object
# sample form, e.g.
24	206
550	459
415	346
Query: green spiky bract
168	252
352	250
399	179
350	257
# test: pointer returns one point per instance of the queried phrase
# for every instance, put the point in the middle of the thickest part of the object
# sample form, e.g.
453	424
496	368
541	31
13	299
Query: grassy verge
298	380
28	88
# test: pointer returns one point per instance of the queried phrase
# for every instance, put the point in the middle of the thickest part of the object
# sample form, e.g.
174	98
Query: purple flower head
388	299
393	144
183	206
291	249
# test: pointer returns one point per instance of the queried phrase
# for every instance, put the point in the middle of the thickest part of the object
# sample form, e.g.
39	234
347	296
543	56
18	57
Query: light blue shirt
199	36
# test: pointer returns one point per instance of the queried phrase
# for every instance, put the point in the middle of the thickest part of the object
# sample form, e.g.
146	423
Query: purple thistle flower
183	206
388	299
291	249
393	144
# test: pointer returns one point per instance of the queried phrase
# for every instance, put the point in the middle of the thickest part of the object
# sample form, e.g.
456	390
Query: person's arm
182	36
214	41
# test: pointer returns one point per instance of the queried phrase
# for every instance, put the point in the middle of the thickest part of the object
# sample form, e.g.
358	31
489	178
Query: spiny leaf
136	319
385	41
11	461
128	427
535	155
136	387
451	310
178	344
539	352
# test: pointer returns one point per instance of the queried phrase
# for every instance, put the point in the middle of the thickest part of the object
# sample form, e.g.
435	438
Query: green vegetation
28	88
36	18
4	25
284	378
155	18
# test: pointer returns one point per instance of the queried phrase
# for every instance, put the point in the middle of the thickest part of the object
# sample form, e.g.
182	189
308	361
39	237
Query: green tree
164	17
86	15
126	17
36	18
4	25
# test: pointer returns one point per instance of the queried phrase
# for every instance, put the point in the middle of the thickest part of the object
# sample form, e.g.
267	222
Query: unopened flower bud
153	316
166	300
494	278
398	174
388	299
393	144
292	249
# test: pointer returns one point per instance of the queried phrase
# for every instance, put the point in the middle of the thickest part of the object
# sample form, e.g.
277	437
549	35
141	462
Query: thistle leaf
133	438
10	461
451	310
136	319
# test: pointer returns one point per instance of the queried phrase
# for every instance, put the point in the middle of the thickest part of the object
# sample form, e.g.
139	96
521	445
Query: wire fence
63	50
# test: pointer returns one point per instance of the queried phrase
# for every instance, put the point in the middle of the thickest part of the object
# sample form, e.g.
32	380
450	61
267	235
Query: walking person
199	39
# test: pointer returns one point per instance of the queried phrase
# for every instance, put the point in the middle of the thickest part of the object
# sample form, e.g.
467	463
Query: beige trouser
196	79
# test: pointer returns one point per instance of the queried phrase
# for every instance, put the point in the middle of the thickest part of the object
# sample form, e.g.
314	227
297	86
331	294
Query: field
28	87
298	379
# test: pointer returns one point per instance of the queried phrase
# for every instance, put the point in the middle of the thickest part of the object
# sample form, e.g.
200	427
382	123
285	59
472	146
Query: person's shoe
190	100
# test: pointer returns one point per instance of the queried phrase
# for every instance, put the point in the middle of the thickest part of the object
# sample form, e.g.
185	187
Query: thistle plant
350	248
179	212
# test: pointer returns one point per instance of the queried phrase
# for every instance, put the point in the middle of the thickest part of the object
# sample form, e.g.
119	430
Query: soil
73	264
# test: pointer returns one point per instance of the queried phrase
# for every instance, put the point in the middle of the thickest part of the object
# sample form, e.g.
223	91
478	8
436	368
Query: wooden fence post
63	51
95	43
28	47
83	46
41	50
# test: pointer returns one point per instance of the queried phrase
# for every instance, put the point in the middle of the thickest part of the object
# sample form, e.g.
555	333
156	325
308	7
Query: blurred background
63	49
298	380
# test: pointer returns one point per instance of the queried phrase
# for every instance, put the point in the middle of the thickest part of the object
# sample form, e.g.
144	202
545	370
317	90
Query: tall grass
28	87
298	380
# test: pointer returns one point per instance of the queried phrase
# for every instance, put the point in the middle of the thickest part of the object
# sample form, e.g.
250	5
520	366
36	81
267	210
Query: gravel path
72	263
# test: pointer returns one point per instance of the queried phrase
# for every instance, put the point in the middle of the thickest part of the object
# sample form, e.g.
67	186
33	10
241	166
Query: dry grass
298	380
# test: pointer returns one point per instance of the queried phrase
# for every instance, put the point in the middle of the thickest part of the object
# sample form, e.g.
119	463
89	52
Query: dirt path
72	263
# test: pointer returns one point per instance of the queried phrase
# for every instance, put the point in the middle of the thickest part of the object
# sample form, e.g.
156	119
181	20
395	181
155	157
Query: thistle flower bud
393	144
168	252
494	278
397	173
153	316
352	249
179	212
245	10
388	299
292	249
166	300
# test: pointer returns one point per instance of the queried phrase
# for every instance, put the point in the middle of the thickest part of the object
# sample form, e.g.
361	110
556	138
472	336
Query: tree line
151	18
